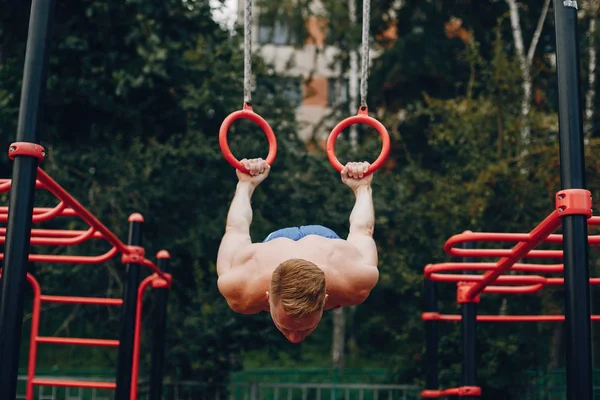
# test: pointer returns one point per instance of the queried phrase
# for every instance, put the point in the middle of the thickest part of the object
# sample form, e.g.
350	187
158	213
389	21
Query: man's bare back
349	279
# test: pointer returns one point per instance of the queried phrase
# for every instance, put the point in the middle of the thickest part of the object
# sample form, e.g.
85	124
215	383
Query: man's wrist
363	188
246	186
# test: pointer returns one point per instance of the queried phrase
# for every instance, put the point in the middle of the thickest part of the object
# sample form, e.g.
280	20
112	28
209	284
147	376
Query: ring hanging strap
365	52
248	52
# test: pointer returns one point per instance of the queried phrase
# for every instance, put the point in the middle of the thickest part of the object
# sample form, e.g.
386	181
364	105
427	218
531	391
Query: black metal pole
125	356
22	196
158	342
469	346
431	337
576	263
469	339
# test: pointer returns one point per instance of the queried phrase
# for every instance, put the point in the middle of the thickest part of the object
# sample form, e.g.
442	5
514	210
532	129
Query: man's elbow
238	307
240	225
366	229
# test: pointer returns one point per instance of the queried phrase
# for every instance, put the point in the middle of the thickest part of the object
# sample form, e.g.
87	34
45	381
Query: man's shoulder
341	252
243	289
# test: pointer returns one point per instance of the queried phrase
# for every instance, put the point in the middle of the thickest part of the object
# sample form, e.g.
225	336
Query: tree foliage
135	97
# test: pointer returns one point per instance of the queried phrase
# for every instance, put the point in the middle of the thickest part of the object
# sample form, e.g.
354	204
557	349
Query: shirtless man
296	273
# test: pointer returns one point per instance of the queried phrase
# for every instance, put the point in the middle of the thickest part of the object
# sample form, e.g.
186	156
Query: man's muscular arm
364	276
362	225
237	228
233	281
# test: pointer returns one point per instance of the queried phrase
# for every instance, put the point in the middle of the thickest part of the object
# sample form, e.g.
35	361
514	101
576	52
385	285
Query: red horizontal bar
67	212
561	281
56	233
469	391
51	258
78	341
54	241
41	216
82	300
5	185
506	279
514	289
500	318
486	266
432	273
74	384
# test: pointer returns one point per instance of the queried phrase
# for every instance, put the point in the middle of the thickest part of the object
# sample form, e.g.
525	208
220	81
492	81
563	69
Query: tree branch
538	32
592	9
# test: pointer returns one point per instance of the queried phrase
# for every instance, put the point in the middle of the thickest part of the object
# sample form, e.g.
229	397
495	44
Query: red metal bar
432	272
507	279
486	266
461	391
74	384
81	300
513	289
81	211
138	335
536	236
67	212
5	185
593	220
453	245
499	318
57	233
46	241
48	215
41	217
147	263
35	329
78	341
50	258
561	281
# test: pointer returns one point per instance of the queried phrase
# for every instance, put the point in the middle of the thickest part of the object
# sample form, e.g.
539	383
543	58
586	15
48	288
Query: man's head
296	298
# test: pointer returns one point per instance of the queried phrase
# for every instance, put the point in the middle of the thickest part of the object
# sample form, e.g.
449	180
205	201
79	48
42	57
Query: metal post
469	339
431	337
576	263
158	342
125	357
22	196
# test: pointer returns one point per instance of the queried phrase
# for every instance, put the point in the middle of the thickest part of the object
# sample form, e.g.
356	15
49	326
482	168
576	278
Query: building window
281	87
278	33
337	92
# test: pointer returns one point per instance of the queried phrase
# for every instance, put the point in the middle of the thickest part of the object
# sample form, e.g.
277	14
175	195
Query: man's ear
268	295
325	300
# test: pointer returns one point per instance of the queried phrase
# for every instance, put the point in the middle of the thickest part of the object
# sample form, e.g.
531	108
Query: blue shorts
297	233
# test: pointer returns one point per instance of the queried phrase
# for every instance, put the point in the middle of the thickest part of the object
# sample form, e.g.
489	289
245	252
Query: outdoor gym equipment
573	210
18	236
247	112
362	116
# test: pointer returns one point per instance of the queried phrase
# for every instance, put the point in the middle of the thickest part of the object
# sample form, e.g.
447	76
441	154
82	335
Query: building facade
311	79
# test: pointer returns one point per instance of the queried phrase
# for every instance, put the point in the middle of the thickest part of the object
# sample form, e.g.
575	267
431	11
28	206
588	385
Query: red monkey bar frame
68	206
471	286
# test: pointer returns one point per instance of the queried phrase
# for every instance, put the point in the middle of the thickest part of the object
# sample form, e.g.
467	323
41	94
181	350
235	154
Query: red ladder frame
68	206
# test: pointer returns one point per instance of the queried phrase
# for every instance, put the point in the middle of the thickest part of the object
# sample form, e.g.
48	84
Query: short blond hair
300	286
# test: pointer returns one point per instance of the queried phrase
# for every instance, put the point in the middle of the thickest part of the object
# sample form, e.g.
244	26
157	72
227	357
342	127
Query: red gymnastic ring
361	118
246	113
